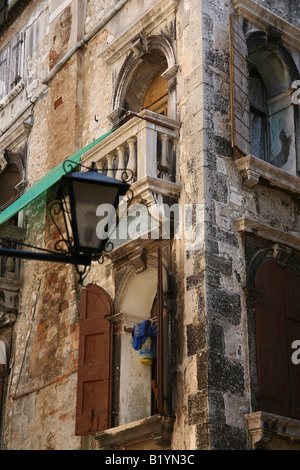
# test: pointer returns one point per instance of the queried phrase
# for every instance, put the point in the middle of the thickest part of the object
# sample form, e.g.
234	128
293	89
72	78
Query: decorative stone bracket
154	432
3	161
272	432
254	170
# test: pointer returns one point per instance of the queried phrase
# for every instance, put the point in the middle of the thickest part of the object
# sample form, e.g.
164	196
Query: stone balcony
146	145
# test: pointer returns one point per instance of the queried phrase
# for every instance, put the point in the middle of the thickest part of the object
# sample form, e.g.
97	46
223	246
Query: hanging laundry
140	333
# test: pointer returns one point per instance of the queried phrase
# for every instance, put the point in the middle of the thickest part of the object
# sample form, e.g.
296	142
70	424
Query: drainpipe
62	62
83	41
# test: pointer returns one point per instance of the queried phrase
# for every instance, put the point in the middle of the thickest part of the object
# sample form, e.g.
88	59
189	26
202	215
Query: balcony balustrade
146	145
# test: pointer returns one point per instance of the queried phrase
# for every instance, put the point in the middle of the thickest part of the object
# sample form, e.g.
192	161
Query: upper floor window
11	65
264	120
271	109
258	116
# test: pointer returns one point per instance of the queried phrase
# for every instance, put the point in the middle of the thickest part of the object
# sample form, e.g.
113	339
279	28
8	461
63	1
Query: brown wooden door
292	313
277	323
94	364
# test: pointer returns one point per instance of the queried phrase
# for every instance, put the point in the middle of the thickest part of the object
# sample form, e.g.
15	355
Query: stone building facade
200	101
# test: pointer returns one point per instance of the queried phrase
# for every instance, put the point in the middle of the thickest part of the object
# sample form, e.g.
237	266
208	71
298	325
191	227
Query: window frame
244	41
263	112
12	73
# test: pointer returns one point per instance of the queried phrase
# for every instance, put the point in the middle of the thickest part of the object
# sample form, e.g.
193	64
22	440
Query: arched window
263	117
271	110
146	80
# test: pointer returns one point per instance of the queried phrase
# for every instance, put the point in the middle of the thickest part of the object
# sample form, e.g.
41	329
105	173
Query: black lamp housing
81	193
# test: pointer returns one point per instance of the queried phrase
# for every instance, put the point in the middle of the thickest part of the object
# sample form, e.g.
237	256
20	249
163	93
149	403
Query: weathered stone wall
71	112
225	317
213	376
210	353
44	359
286	9
225	266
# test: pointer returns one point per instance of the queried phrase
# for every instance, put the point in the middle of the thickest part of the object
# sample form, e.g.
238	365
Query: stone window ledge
272	432
11	95
152	433
254	171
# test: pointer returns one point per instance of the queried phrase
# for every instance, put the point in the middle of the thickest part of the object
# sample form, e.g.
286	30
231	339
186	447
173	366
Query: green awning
46	182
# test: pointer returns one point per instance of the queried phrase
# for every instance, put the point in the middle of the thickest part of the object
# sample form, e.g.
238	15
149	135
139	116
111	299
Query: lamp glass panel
87	199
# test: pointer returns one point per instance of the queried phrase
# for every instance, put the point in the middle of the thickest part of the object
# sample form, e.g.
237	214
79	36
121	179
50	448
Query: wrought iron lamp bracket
64	247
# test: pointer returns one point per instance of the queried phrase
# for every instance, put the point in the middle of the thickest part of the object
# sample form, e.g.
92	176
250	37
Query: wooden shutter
3	73
277	326
94	365
239	85
15	62
291	282
158	382
160	334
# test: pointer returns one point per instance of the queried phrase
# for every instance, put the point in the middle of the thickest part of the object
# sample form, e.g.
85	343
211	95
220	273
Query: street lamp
79	195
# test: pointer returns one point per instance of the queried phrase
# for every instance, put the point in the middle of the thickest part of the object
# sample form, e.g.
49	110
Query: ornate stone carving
282	254
3	161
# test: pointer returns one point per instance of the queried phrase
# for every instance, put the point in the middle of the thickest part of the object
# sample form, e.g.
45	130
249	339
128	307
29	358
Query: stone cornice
17	135
245	224
254	171
262	17
123	43
263	427
155	430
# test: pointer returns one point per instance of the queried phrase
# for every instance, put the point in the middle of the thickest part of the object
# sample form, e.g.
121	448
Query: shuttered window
239	81
11	65
93	410
3	73
15	62
277	327
259	119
